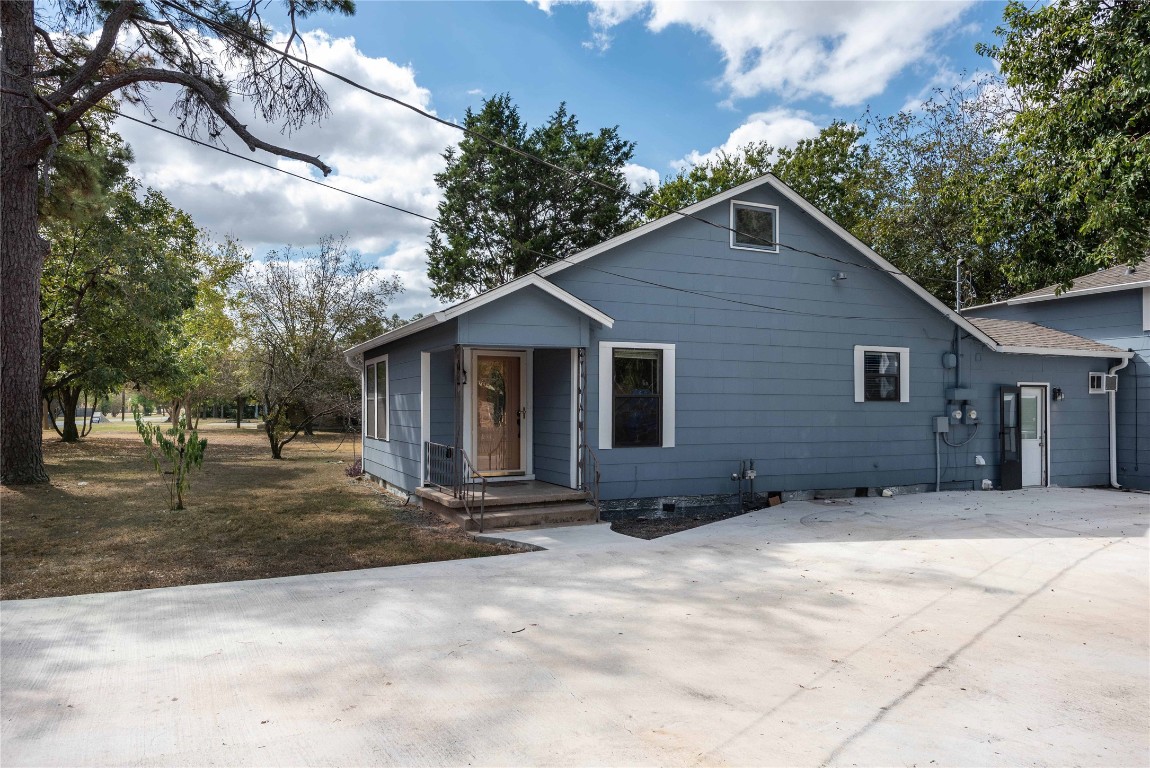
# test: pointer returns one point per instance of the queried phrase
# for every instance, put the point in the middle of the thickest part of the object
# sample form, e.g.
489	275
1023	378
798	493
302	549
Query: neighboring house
1111	306
752	328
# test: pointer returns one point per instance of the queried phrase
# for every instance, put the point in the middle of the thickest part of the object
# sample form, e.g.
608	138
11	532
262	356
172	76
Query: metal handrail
467	488
592	463
450	469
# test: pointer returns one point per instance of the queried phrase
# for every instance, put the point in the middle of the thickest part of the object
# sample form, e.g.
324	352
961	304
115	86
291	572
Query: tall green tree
1078	149
939	175
710	177
504	215
834	170
114	287
203	345
97	49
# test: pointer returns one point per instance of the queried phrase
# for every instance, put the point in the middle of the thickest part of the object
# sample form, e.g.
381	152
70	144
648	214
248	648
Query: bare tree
298	311
211	49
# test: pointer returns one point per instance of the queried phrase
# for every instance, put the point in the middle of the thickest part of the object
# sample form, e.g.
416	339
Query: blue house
654	368
1111	306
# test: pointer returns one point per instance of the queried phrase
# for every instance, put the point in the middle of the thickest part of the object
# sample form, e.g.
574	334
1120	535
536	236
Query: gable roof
1120	278
475	302
807	207
537	278
1014	334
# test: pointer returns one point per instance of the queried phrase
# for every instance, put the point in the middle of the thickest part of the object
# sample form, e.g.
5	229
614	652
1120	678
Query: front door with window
1032	425
499	413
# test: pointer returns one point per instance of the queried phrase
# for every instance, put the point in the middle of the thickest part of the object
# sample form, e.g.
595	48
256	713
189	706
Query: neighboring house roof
1120	278
536	278
475	302
1010	334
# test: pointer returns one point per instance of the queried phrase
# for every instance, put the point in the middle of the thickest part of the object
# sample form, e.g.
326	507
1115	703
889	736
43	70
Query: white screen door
1032	421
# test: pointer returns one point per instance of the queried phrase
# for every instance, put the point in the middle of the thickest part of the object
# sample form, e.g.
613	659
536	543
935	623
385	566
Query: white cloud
639	175
475	92
377	150
846	52
777	127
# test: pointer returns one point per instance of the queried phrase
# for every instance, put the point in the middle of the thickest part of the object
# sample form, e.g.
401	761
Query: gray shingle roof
1016	333
1105	278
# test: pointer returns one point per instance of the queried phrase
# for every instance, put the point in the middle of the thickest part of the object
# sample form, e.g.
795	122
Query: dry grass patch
102	525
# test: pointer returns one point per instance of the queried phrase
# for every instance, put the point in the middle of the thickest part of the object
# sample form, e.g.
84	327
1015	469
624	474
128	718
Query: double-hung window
375	410
882	374
636	395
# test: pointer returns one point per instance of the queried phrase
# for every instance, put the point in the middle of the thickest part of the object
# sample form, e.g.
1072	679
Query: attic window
754	227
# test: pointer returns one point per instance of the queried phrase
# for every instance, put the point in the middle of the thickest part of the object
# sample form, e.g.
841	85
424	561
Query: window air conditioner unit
1101	383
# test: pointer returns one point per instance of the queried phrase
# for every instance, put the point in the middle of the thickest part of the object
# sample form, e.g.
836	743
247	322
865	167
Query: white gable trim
807	208
481	300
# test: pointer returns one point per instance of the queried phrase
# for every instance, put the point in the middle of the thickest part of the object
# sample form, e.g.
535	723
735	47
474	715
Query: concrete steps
546	516
521	505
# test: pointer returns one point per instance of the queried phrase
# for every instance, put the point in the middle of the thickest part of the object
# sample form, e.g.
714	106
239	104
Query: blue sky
682	80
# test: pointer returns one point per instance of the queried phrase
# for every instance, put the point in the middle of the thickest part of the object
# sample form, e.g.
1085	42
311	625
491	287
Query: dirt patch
654	527
103	525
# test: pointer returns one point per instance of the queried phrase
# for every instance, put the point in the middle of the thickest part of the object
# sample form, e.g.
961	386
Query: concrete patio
936	629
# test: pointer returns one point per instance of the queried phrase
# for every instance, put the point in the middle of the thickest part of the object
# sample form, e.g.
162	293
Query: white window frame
369	430
606	401
744	247
903	372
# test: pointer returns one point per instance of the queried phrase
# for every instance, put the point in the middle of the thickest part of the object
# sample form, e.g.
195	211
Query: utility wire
550	259
224	29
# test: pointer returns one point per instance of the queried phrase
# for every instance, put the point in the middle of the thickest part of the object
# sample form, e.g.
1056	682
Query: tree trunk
22	253
174	411
273	439
49	419
123	403
240	402
70	397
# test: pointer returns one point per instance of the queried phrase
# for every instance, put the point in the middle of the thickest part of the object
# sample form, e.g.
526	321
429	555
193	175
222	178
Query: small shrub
356	469
181	450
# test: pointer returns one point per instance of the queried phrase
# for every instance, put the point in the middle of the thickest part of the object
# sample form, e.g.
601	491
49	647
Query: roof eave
1072	293
1123	354
475	302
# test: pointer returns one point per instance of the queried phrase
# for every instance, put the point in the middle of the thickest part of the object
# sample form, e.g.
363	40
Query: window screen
754	227
369	400
881	372
637	397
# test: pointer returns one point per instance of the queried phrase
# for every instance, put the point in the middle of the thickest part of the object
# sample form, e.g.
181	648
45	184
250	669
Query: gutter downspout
1113	395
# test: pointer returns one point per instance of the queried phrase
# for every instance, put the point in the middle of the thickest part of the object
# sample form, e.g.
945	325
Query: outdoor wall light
1058	394
839	276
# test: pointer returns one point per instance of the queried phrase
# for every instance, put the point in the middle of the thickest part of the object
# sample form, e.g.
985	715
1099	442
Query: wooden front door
499	414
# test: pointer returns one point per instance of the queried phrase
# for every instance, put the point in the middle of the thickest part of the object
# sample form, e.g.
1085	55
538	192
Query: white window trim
606	410
386	397
903	371
775	236
1146	309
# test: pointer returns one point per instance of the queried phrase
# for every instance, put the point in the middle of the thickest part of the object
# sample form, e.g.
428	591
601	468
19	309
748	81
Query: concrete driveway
955	628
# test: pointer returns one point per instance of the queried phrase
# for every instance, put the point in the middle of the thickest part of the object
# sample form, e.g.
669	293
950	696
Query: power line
551	259
224	29
267	165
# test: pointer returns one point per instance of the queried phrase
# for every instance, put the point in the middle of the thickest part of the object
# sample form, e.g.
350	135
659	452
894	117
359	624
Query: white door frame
1047	432
526	432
